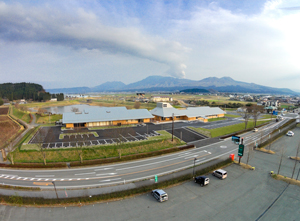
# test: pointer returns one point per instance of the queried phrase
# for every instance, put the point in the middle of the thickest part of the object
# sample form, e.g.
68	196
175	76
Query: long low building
106	116
165	112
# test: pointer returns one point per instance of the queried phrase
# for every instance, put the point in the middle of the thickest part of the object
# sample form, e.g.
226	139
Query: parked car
202	180
159	195
290	133
255	130
222	174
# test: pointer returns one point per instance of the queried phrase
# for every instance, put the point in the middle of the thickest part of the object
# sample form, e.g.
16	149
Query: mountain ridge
166	83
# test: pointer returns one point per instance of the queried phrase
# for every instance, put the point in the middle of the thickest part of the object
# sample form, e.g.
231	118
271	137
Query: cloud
84	30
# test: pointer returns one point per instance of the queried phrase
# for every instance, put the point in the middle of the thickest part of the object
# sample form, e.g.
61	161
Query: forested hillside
26	91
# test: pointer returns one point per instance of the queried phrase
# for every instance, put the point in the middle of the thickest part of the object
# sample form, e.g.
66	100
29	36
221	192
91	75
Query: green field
216	119
227	130
46	119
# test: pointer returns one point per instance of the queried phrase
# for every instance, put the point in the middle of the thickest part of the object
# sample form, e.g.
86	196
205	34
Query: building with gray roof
165	112
106	116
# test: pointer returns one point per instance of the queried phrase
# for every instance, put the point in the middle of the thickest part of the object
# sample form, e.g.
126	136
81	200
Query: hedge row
18	200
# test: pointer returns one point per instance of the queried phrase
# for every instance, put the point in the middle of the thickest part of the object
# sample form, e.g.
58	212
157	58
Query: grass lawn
227	130
232	115
45	119
216	119
96	152
21	115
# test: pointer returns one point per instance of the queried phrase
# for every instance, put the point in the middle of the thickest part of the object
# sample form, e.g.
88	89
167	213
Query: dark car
202	180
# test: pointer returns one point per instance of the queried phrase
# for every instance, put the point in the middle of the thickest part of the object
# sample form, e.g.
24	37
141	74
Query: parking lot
187	135
50	137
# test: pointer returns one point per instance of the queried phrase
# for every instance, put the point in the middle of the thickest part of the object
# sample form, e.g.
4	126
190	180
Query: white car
290	133
255	130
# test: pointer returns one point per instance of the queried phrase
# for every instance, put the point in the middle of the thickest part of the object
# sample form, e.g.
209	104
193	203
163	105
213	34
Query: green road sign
155	178
241	150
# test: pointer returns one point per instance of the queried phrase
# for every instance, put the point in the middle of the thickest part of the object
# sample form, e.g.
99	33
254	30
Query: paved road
244	195
129	171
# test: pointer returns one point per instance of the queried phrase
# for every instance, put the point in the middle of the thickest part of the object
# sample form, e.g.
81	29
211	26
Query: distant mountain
75	90
108	86
161	83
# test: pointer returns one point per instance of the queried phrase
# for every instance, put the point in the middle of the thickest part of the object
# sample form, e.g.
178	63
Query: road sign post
155	178
241	150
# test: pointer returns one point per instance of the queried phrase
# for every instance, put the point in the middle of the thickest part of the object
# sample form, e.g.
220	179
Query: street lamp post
194	167
172	126
55	189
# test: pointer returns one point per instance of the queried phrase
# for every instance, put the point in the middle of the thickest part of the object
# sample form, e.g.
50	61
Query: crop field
8	129
3	110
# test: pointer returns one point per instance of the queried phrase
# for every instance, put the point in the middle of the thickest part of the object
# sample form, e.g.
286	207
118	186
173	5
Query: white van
222	174
159	195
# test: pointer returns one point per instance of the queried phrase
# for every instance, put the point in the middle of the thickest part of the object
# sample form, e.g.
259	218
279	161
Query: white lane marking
19	178
209	152
185	155
12	177
223	146
78	174
103	169
9	175
78	179
126	168
46	179
109	180
104	174
121	164
200	160
190	157
62	179
70	179
38	179
32	179
44	175
53	179
25	178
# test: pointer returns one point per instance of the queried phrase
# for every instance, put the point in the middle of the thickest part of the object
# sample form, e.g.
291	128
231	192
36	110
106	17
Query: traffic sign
241	150
155	178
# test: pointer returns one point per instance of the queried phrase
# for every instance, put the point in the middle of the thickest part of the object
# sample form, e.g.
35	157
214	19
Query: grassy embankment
96	152
21	114
228	129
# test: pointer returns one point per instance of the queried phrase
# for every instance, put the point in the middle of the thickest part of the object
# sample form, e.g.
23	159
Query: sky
69	43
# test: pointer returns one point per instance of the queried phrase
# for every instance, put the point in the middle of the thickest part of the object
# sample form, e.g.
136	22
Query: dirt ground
8	128
3	110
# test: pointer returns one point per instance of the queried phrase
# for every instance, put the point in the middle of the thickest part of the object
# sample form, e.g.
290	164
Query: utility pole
55	189
172	126
194	167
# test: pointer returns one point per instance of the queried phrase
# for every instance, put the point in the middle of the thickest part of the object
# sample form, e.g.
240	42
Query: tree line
28	91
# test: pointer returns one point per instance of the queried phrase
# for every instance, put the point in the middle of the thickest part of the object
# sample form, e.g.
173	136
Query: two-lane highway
130	171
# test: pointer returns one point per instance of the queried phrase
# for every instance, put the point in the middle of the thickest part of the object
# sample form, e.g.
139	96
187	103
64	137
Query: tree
282	152
1	101
256	110
40	137
246	114
137	105
74	109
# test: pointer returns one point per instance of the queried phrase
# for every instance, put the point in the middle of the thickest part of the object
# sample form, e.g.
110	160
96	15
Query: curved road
130	171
